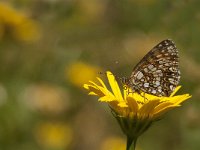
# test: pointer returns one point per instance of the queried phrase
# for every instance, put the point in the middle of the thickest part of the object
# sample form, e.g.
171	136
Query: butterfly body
158	72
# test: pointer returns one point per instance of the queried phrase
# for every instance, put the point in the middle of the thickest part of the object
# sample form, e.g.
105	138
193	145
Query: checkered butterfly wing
158	72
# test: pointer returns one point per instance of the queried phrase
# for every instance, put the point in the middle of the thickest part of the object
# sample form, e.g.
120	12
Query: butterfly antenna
101	73
122	80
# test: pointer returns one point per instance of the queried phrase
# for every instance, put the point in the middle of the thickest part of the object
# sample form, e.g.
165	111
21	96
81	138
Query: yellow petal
92	83
114	106
114	86
148	108
107	98
94	89
101	91
92	93
86	86
139	97
161	112
133	105
180	98
162	106
104	86
122	104
174	92
149	97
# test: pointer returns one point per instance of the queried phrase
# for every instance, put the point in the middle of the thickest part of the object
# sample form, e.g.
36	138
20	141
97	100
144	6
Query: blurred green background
50	48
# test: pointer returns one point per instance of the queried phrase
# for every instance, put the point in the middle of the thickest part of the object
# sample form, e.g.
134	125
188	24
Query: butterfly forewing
158	72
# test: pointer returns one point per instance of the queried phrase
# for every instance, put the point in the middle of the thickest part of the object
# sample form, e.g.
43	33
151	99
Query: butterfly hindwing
158	72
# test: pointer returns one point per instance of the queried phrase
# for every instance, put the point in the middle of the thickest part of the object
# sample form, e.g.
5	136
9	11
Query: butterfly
158	71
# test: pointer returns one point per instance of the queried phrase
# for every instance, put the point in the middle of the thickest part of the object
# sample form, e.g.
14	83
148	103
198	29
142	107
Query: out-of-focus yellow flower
134	112
17	24
53	135
86	13
114	143
91	9
79	73
46	98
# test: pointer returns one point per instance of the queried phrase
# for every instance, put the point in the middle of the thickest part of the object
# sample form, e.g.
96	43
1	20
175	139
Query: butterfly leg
145	99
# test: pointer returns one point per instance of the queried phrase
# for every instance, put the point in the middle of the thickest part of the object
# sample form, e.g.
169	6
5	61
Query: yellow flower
46	98
54	135
17	24
115	143
78	73
135	112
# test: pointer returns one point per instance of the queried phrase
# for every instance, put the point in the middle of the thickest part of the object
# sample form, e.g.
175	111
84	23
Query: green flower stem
131	143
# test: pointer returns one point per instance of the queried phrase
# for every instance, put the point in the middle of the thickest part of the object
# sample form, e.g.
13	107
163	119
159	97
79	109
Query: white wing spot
158	78
157	83
159	56
173	69
145	70
139	75
167	64
146	84
163	51
166	43
158	71
154	69
171	87
166	54
153	91
169	51
150	67
161	62
171	80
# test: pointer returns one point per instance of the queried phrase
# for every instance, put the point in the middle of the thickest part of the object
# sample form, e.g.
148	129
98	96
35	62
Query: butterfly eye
125	87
